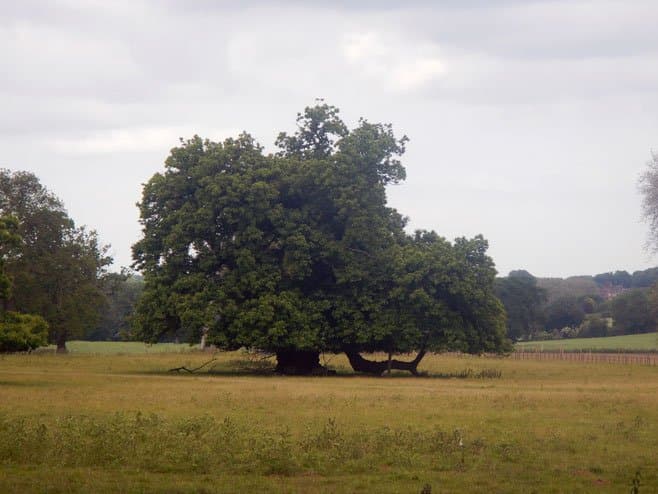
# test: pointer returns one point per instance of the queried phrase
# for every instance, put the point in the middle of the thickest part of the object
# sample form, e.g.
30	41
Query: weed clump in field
468	373
635	485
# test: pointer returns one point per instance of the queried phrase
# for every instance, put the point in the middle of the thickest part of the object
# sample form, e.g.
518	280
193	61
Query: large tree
298	253
58	268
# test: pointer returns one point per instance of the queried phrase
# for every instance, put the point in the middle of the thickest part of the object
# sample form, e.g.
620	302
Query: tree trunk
59	326
377	368
61	343
204	337
299	362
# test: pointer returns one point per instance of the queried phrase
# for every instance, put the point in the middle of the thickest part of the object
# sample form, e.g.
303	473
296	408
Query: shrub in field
22	332
18	332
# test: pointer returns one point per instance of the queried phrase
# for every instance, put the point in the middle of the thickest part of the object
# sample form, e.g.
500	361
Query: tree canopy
565	312
298	253
618	278
57	268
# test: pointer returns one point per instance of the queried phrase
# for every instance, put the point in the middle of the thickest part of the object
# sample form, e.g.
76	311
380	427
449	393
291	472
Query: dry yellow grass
541	426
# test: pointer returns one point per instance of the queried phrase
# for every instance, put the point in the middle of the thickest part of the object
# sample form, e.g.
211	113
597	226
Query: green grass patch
633	342
122	348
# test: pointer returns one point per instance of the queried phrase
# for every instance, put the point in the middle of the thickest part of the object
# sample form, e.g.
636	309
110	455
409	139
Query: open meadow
121	422
645	342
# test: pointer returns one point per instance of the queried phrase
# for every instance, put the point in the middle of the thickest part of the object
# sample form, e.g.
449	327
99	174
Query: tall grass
204	444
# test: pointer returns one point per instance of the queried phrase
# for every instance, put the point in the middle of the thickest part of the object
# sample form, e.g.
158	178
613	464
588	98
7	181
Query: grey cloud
509	104
542	29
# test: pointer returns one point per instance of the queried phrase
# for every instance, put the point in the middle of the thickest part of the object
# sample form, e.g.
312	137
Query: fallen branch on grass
191	371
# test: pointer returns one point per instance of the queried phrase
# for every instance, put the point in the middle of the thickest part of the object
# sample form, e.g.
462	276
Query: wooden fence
594	357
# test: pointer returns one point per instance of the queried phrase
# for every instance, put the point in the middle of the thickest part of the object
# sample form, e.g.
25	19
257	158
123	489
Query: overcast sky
529	121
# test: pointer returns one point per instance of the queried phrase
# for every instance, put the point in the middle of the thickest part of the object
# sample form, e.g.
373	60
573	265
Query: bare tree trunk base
300	363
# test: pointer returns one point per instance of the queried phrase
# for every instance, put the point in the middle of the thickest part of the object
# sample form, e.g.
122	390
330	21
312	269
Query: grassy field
634	342
121	348
123	423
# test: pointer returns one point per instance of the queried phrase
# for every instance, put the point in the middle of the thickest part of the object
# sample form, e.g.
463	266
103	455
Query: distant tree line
606	304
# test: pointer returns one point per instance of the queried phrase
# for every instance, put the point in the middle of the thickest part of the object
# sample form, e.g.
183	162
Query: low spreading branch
360	364
374	367
191	371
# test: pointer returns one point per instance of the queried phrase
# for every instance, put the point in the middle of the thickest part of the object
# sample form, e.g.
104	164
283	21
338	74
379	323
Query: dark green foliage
440	297
618	278
523	300
590	303
298	252
18	332
318	129
645	279
58	268
22	332
9	240
639	279
574	286
632	312
594	326
564	312
448	294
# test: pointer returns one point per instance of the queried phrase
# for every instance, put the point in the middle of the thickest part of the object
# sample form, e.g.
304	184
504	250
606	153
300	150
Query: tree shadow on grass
26	384
265	368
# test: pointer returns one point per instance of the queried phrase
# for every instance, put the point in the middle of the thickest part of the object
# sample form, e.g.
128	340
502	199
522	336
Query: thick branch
191	371
360	364
359	251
